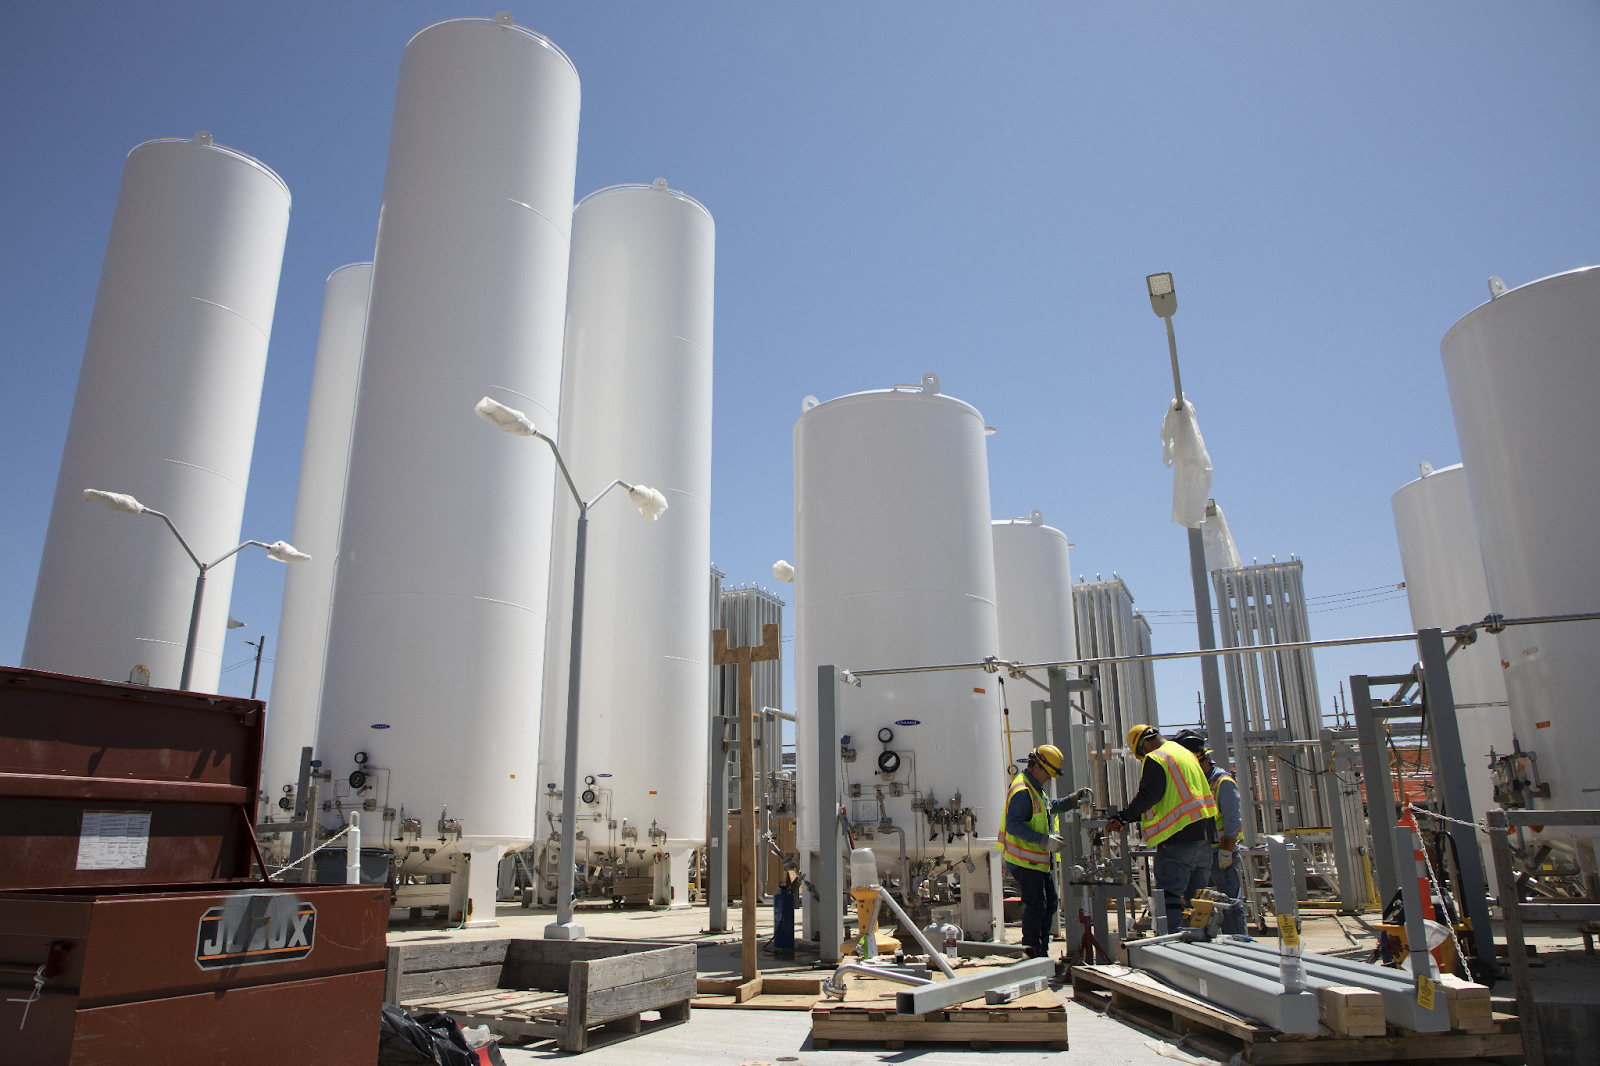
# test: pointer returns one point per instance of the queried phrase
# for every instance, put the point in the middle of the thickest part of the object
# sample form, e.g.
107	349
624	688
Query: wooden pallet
867	1014
1141	1000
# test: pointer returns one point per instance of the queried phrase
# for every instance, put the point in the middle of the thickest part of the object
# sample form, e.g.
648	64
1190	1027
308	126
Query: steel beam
830	776
1450	777
943	994
1380	798
1227	984
1398	990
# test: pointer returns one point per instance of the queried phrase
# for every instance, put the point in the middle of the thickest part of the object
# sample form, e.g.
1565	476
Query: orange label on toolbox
252	928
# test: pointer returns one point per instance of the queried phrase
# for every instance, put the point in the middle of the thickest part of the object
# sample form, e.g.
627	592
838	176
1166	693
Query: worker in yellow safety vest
1029	836
1225	790
1177	815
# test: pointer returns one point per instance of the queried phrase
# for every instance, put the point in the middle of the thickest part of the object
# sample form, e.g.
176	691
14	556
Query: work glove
1053	844
1224	858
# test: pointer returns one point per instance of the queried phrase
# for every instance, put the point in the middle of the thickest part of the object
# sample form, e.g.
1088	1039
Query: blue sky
972	189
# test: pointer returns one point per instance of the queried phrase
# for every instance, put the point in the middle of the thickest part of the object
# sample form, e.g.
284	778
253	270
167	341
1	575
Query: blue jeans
1182	870
1226	881
1039	899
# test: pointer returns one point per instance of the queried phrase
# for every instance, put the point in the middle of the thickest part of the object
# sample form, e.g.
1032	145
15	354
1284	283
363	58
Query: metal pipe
905	865
905	921
1291	970
352	850
835	983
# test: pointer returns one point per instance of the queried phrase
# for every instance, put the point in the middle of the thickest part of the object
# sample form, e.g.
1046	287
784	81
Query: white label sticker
113	840
864	811
1203	993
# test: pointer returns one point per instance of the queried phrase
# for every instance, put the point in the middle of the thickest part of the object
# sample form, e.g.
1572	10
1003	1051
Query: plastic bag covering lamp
894	566
440	606
1523	371
636	398
278	550
652	505
1184	449
319	504
165	409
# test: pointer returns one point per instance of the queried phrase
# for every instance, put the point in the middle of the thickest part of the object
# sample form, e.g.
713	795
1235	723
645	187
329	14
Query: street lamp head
117	501
507	418
284	552
783	570
234	623
651	503
1163	300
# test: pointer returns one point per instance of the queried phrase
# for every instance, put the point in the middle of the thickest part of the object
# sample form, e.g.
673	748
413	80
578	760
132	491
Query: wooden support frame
770	650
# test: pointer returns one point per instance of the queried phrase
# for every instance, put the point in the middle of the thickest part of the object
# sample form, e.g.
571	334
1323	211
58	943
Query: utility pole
259	644
1164	302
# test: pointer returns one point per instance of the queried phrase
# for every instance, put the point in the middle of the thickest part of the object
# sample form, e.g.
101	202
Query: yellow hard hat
1048	756
1136	734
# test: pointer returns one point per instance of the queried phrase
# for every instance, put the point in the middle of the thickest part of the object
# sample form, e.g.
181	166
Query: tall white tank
1524	377
895	567
1033	591
636	405
166	412
1446	587
435	661
308	590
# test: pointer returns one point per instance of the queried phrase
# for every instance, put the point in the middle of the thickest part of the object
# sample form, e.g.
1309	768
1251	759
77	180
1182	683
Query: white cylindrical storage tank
1033	592
308	590
1446	587
166	412
435	652
1524	377
894	567
636	405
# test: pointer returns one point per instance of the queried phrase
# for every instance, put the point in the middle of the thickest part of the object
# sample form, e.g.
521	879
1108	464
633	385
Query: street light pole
651	504
261	643
280	550
1164	302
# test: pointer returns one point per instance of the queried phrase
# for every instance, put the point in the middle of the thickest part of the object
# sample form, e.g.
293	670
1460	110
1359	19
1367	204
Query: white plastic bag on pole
1221	554
1184	450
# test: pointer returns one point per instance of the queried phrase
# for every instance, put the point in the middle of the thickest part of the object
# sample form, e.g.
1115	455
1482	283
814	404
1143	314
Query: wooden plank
487	999
762	1002
1350	1011
846	1027
1470	1007
791	986
639	966
450	954
747	991
1128	982
391	975
607	1004
546	963
446	982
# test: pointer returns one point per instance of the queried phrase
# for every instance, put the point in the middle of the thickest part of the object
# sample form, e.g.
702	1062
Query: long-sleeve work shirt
1020	810
1226	791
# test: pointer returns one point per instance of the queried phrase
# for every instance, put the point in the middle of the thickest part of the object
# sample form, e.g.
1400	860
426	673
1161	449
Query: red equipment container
131	931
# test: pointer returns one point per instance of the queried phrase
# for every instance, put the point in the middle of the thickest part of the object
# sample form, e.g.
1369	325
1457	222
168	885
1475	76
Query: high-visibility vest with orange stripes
1187	798
1022	852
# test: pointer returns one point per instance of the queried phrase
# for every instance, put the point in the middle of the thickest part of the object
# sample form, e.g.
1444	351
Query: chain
1434	881
1479	826
329	843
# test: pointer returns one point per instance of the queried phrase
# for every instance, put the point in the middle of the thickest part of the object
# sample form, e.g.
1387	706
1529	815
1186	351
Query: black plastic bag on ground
426	1040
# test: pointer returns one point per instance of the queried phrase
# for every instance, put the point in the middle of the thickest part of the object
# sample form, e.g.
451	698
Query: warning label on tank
252	928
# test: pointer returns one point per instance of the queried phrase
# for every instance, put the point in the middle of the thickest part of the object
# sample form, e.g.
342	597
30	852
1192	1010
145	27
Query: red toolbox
135	924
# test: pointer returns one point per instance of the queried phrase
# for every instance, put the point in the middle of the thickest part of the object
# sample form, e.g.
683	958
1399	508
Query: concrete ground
1563	973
